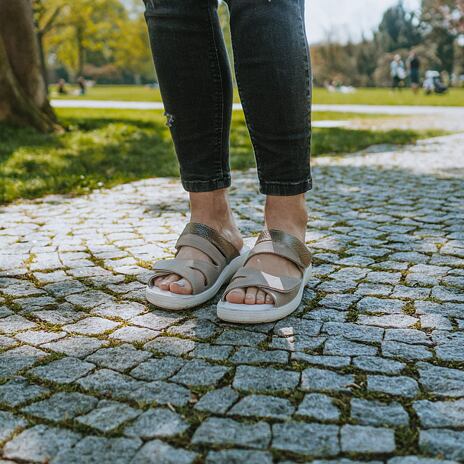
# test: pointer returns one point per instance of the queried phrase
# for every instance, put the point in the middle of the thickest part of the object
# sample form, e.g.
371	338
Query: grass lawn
362	96
103	148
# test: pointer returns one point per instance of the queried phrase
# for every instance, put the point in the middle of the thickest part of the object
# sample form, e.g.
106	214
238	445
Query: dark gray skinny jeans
273	73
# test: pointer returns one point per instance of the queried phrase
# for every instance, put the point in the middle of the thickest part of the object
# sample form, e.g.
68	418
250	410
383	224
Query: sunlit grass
362	96
103	148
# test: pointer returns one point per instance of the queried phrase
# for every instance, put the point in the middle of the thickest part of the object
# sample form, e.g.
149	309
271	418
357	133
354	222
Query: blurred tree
23	96
399	28
131	48
443	21
366	54
46	19
87	27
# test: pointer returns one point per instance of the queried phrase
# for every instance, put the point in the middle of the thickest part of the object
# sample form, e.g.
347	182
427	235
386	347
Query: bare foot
211	209
283	213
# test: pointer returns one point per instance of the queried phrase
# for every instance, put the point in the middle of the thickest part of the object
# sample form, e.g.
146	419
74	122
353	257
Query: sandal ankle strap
226	248
283	244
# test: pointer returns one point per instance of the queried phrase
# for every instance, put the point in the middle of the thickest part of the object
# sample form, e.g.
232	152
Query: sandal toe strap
281	289
187	268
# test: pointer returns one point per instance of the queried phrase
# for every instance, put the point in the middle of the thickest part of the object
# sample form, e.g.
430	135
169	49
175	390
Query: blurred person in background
397	72
414	71
62	87
82	85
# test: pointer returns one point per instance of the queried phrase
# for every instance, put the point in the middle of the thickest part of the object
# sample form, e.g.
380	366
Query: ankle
287	213
213	210
210	208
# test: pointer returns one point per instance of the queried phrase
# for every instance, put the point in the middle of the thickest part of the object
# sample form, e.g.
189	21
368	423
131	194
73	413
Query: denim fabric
273	73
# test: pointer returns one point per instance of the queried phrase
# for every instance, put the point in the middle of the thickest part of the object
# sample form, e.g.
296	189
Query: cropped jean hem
283	189
206	185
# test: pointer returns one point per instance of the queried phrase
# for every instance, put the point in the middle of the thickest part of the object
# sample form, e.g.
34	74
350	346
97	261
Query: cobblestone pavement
370	368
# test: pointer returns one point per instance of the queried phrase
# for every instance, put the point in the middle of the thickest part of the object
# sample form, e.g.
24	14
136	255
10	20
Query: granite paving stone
216	431
374	305
369	412
397	386
10	424
367	439
157	423
170	345
264	379
158	452
16	359
318	406
443	442
157	369
418	460
61	406
40	444
109	382
434	414
212	352
263	406
199	373
250	355
217	401
75	346
108	416
307	439
340	346
91	326
64	371
328	361
238	456
240	337
313	379
119	358
378	365
19	391
99	449
405	351
441	381
158	392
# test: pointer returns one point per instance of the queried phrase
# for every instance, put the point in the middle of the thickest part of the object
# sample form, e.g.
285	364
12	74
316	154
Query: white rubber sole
175	302
256	314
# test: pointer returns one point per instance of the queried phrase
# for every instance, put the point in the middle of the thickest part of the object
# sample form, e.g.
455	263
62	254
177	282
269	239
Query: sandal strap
209	241
186	268
281	289
281	243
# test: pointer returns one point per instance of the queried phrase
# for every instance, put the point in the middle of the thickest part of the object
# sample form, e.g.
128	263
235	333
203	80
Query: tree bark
23	96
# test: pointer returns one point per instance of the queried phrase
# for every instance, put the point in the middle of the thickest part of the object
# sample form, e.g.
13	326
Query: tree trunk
43	63
23	96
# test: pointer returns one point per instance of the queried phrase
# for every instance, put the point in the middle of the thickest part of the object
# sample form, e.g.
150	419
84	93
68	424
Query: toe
250	296
236	296
181	287
158	281
166	282
260	297
269	299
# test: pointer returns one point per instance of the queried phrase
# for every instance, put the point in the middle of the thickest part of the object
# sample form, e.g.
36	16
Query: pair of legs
273	75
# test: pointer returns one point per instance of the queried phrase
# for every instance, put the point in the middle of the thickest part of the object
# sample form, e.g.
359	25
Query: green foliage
100	38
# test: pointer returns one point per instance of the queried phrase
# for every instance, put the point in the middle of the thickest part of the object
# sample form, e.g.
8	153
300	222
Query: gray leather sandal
226	259
286	292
